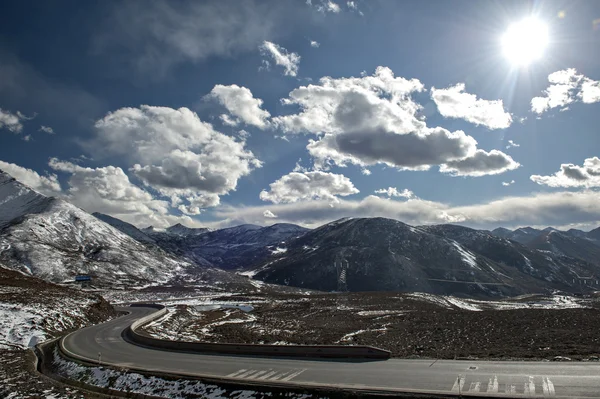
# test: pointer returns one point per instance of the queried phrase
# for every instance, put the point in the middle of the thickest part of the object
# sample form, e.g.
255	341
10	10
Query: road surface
501	379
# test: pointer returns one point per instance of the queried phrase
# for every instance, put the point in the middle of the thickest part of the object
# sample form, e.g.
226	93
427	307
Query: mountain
125	227
522	234
594	234
54	240
561	243
388	255
230	248
181	230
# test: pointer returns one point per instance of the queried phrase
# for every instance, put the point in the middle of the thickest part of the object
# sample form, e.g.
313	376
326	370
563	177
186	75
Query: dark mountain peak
501	230
527	230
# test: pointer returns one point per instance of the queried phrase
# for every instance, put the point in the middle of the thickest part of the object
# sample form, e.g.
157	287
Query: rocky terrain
532	327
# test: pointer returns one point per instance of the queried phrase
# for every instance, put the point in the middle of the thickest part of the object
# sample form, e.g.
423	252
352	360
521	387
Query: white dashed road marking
547	387
493	385
297	373
475	386
529	388
236	373
458	383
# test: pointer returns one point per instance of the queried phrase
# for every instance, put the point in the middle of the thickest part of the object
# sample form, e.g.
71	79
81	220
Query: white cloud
289	61
351	5
244	135
508	183
370	120
549	209
571	175
27	137
453	102
365	172
108	190
315	44
299	186
567	86
10	121
512	144
393	192
240	102
47	185
174	152
46	129
268	214
480	164
228	120
332	7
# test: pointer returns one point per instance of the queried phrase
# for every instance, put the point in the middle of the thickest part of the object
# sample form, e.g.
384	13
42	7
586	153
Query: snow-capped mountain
230	248
54	240
125	227
385	254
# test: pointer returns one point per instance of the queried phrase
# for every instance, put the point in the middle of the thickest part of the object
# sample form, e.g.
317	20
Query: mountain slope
125	227
564	244
387	255
54	240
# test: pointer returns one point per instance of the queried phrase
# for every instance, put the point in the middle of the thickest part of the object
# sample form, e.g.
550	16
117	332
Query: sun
525	41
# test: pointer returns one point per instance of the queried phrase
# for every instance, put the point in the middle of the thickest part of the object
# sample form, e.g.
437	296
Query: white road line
256	375
475	386
278	376
548	387
493	385
247	373
236	373
510	388
297	373
458	383
267	375
529	388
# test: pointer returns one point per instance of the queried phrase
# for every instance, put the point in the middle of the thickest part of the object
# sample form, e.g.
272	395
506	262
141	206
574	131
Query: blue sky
135	109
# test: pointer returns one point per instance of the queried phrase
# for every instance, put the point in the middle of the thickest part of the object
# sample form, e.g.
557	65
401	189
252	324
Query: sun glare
525	41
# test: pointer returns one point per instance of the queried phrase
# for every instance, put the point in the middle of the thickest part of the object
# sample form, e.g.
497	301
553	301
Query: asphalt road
501	379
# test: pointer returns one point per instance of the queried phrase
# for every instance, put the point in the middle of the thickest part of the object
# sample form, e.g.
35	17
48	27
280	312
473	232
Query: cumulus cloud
175	153
11	121
567	86
512	144
508	183
315	44
46	129
369	120
109	190
571	175
289	61
240	103
554	209
393	192
481	163
47	185
453	102
268	214
299	186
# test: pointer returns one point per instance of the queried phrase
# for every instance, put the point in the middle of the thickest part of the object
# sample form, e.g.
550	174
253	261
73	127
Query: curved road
501	379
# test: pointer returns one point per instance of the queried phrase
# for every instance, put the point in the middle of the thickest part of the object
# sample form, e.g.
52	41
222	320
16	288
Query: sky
218	113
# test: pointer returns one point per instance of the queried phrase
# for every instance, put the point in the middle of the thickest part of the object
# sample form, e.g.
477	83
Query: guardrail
323	351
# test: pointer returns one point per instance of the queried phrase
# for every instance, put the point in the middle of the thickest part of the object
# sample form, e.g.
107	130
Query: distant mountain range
54	240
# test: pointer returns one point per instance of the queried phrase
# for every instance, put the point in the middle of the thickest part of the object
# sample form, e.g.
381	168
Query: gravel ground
410	326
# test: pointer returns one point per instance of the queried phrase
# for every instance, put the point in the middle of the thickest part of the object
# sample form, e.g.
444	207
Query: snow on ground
24	326
467	256
278	251
150	385
535	302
